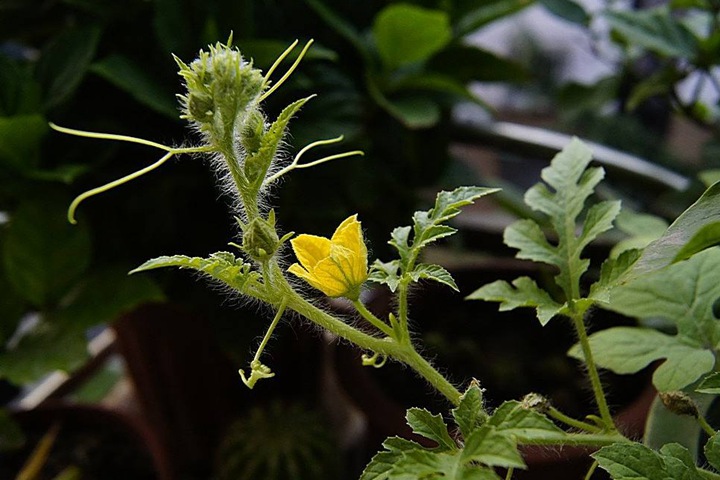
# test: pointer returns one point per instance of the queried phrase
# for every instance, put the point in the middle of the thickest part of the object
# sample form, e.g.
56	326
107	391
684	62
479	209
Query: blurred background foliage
387	73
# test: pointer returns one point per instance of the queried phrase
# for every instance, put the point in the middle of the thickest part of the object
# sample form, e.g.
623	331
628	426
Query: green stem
509	474
706	426
593	372
405	353
403	331
591	470
576	439
708	474
370	317
412	358
271	328
558	415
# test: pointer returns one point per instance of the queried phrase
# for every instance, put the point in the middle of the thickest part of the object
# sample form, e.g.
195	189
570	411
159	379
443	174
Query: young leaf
612	273
385	273
628	350
430	426
428	226
493	448
222	266
511	418
469	413
523	292
436	273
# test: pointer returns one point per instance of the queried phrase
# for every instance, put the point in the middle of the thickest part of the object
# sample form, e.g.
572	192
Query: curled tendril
375	360
258	371
295	164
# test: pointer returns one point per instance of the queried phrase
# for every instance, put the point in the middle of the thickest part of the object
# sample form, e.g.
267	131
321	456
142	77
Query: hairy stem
592	371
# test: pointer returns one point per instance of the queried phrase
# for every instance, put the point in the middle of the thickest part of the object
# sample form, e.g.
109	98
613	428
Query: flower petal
331	279
349	235
310	249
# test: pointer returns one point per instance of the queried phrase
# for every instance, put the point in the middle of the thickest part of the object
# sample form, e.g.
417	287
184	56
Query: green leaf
572	182
43	254
707	236
381	465
511	418
131	78
20	139
523	292
654	29
684	293
634	461
19	91
413	111
710	384
469	414
63	63
627	350
427	226
399	238
222	266
612	274
11	436
567	10
493	448
257	163
385	273
641	228
467	63
663	251
435	273
407	33
489	11
712	451
430	426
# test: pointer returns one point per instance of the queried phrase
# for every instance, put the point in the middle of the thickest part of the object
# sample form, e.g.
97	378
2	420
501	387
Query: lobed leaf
493	448
469	413
683	293
634	461
627	350
511	418
385	273
222	266
523	292
669	247
430	426
436	273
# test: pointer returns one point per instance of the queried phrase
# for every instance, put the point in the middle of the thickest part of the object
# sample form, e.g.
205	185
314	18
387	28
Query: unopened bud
536	402
679	403
260	240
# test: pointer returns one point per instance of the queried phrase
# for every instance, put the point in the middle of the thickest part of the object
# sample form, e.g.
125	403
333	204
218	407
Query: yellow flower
337	266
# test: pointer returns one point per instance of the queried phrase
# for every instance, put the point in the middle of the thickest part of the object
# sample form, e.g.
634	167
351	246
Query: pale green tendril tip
296	165
171	151
266	79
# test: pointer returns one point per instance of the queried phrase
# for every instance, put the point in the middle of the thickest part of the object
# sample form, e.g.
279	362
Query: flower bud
679	403
260	240
220	87
535	401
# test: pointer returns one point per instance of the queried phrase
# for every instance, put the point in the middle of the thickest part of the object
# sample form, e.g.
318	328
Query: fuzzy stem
591	470
576	439
706	426
558	415
370	317
592	371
